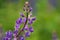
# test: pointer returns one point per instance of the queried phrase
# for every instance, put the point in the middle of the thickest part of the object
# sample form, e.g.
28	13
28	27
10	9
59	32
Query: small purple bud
24	20
6	38
34	18
15	38
21	14
26	27
22	38
19	21
30	22
30	9
27	34
15	32
17	26
28	19
31	29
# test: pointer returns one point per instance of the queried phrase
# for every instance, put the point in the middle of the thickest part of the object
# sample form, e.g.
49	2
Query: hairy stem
23	26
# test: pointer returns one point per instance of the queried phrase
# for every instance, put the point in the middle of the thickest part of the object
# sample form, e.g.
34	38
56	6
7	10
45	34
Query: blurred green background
47	14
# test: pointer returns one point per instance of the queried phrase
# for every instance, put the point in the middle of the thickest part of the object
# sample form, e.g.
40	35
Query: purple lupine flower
22	38
33	19
27	34
19	21
15	38
21	33
24	20
5	38
30	9
30	22
31	29
9	34
15	32
17	26
26	27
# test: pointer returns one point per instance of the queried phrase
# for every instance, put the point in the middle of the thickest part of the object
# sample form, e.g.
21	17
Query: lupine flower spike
21	33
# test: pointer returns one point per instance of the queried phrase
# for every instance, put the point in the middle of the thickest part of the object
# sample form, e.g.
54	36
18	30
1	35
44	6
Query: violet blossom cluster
21	33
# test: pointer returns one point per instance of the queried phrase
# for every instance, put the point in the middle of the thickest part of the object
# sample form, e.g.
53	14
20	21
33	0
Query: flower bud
15	32
30	9
9	34
26	27
17	26
34	18
24	20
22	38
31	29
26	3
30	22
21	14
27	34
6	38
19	21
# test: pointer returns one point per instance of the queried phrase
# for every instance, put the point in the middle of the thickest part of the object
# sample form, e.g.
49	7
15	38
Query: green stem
23	27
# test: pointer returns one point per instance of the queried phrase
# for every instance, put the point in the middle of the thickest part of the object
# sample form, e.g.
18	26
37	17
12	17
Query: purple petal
22	38
31	29
21	14
19	21
17	26
24	20
5	38
15	32
29	19
30	9
27	34
15	38
9	34
26	27
30	22
34	18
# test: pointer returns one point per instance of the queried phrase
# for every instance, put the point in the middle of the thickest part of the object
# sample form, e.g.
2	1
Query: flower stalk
26	20
23	27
